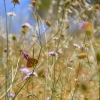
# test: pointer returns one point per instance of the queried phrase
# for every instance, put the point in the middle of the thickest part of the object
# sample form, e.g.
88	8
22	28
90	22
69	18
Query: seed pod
14	37
82	55
98	56
97	6
34	3
48	23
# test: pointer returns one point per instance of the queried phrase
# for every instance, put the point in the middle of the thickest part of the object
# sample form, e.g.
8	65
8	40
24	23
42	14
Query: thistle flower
26	55
15	1
26	25
28	73
53	53
11	95
87	27
25	70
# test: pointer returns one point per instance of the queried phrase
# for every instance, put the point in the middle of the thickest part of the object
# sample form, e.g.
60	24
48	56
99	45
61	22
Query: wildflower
81	25
15	1
48	23
26	55
35	74
11	95
87	27
25	28
28	73
26	25
53	53
11	14
14	37
25	70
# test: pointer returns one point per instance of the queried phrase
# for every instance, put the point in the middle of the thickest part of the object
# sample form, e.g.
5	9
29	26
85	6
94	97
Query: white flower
11	14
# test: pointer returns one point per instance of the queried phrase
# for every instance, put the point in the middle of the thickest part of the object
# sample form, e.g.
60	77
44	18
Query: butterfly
31	62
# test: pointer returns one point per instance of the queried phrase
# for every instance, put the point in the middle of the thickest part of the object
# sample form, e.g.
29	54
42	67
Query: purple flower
53	53
82	24
87	27
11	95
25	55
35	74
25	70
28	73
26	25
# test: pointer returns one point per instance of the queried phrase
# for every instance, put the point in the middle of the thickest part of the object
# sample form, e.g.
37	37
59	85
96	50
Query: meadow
56	59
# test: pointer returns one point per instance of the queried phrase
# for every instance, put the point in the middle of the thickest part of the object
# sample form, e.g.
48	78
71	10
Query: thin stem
99	86
6	68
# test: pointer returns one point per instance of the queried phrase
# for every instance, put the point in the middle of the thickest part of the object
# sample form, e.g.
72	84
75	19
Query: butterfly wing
35	61
31	62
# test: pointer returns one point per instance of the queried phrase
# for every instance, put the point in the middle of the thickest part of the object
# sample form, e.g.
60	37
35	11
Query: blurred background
47	9
22	14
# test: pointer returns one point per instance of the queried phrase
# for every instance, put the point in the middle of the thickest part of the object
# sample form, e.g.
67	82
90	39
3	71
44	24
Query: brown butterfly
31	62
